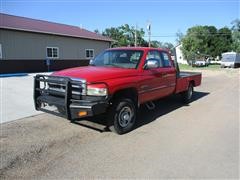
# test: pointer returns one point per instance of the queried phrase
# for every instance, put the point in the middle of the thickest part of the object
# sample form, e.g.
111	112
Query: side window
166	60
155	55
135	57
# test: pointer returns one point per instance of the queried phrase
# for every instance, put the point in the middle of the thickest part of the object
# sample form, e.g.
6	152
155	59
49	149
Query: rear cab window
166	59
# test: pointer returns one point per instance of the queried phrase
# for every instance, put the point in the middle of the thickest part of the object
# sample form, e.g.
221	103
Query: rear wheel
122	116
187	95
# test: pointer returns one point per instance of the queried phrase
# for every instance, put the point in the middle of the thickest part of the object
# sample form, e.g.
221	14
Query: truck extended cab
116	82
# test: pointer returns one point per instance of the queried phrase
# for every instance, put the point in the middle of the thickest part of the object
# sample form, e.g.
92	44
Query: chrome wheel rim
125	116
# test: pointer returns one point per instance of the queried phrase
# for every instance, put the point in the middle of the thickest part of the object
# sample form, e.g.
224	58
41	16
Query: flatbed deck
183	79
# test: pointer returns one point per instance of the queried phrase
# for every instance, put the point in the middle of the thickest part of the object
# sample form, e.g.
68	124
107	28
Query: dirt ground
199	140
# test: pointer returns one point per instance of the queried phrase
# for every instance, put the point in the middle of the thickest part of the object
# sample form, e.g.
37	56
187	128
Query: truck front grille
56	86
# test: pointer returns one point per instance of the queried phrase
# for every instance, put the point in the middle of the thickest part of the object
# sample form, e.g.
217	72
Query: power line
174	35
125	1
195	34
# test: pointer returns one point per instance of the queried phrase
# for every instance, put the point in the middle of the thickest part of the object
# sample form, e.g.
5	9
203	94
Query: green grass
209	67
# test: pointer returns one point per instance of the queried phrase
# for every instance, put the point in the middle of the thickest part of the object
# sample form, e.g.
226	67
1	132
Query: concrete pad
16	97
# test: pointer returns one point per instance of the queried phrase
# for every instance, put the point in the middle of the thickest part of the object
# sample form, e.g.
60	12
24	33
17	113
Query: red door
168	73
158	82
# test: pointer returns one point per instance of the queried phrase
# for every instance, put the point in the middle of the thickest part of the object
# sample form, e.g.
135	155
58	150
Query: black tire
122	116
187	95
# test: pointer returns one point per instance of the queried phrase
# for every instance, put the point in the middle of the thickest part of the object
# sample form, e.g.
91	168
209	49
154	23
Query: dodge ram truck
116	82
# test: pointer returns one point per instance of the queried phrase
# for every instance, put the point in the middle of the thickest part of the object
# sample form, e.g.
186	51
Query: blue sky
166	16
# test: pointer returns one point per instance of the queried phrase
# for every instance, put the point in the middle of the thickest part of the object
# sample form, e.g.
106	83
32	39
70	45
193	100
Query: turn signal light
82	113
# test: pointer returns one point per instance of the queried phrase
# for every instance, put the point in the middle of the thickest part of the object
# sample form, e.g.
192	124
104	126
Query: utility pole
135	36
149	33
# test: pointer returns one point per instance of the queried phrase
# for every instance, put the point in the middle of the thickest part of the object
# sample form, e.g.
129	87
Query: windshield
118	58
228	57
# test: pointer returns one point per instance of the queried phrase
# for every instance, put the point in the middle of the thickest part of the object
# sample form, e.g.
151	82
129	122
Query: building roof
39	26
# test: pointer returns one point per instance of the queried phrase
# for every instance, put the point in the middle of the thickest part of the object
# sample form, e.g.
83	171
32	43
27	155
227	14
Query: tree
211	40
140	40
156	44
236	35
236	25
224	41
125	35
169	46
179	36
115	34
194	42
203	41
166	45
97	31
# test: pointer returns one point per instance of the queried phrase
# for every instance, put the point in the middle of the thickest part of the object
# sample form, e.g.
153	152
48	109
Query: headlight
97	90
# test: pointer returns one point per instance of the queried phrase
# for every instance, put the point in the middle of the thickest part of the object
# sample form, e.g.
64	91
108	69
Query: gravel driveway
199	140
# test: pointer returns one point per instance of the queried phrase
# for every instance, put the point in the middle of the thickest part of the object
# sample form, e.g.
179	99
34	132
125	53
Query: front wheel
122	116
187	95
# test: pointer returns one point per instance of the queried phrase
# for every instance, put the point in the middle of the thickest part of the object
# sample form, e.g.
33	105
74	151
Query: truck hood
96	73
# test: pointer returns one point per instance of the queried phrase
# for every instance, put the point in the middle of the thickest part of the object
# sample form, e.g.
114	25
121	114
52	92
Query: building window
0	51
89	53
52	52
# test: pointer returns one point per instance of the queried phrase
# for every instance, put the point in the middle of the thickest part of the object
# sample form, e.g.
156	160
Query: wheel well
130	93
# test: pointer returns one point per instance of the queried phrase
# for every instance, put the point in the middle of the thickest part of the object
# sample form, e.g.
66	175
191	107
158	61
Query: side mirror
151	64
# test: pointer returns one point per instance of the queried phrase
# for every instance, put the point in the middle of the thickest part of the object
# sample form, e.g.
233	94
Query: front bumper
64	103
79	110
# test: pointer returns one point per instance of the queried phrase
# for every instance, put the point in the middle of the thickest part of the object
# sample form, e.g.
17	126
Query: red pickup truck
116	82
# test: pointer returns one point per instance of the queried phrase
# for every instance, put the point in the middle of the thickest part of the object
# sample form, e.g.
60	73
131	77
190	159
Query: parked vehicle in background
215	62
230	59
200	63
116	82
